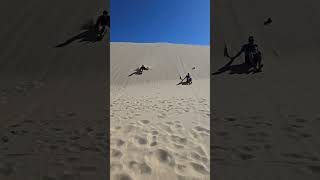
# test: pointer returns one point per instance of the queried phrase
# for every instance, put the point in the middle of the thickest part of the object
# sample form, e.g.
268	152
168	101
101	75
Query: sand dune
265	124
52	110
159	130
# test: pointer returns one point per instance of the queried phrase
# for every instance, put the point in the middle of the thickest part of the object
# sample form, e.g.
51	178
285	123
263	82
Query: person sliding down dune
188	80
252	54
142	68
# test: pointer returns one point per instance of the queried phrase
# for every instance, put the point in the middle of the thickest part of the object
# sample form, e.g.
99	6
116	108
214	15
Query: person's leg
253	61
102	30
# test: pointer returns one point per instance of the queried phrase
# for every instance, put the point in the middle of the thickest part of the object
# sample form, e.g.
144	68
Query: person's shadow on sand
184	83
243	68
136	72
88	35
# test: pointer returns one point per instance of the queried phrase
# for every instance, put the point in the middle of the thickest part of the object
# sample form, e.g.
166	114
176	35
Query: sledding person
252	54
188	79
143	68
103	21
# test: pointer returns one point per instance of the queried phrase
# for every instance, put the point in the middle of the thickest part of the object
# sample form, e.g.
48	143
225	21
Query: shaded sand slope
52	110
159	130
266	124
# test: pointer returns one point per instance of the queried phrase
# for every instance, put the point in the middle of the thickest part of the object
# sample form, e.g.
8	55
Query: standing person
103	21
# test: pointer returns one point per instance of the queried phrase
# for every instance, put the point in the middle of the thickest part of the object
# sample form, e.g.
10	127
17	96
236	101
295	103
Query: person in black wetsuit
188	79
143	68
103	21
252	54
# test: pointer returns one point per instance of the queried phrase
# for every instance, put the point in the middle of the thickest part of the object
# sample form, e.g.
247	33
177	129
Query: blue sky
173	21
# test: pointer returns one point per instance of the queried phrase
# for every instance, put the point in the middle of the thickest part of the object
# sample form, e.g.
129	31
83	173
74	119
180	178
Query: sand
52	100
265	125
159	130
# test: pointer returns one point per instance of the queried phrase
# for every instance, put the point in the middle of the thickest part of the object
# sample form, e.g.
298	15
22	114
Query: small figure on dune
268	21
142	68
252	54
102	22
188	80
139	70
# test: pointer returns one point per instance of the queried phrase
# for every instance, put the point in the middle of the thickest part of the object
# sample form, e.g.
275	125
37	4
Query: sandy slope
52	115
159	130
266	124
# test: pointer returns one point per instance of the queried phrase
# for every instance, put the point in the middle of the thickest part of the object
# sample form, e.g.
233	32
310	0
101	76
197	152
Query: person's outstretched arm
238	54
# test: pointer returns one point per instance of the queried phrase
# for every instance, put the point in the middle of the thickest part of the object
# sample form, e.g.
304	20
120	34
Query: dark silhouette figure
267	22
188	80
102	22
90	33
142	68
252	54
139	70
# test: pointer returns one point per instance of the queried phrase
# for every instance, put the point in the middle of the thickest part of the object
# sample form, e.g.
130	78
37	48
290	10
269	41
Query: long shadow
184	83
88	35
243	68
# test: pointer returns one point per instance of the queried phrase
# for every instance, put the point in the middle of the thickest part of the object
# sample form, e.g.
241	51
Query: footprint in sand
144	122
305	135
168	129
178	146
245	156
194	134
163	157
154	143
199	168
201	151
141	168
116	153
198	157
202	129
140	140
179	140
169	123
129	128
114	166
154	132
119	142
122	176
178	126
231	119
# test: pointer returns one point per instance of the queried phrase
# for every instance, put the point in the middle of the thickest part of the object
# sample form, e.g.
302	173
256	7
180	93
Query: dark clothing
249	50
143	68
103	21
189	79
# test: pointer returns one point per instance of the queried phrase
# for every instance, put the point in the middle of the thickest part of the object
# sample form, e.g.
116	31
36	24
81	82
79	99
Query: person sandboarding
188	80
252	54
102	22
142	68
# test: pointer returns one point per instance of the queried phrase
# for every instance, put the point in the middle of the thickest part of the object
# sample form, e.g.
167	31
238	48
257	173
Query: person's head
188	74
251	39
105	13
